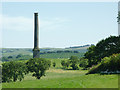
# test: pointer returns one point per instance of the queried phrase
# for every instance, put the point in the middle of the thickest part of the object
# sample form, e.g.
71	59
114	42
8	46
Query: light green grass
58	78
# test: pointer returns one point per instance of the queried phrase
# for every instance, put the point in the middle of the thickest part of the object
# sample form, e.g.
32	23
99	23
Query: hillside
27	53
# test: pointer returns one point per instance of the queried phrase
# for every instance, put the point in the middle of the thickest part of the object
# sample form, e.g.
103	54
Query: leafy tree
13	71
38	66
74	61
54	64
10	57
65	64
83	63
103	48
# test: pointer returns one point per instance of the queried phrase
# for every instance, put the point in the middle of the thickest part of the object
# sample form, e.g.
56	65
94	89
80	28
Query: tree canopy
103	48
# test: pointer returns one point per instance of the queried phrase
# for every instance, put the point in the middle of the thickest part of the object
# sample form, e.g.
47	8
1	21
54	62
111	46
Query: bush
108	65
13	71
38	66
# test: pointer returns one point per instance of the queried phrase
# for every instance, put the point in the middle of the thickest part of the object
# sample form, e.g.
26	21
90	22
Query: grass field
59	78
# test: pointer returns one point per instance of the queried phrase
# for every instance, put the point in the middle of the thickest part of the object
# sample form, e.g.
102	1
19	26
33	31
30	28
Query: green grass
57	78
61	55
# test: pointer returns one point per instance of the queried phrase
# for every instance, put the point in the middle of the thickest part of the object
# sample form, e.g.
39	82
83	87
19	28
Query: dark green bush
108	65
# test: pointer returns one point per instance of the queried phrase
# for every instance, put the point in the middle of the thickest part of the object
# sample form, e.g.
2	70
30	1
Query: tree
10	57
103	48
83	63
54	64
18	56
13	71
65	64
38	66
74	61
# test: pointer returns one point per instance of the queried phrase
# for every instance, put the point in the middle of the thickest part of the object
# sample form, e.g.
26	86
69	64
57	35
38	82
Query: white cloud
53	24
17	23
26	24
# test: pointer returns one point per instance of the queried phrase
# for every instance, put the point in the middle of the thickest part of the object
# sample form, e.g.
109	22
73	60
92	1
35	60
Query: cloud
53	24
17	23
26	24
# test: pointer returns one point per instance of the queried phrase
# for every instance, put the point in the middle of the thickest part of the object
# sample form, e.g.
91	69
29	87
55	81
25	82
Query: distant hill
84	46
46	52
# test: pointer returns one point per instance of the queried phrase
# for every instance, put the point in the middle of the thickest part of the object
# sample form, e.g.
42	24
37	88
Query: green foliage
10	57
83	63
103	48
38	66
5	59
13	71
54	64
109	64
65	64
74	61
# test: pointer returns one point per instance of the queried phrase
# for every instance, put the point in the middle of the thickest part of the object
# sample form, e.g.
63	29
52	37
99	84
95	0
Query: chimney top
36	13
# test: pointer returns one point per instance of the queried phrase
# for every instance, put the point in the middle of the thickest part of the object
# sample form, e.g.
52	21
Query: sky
61	24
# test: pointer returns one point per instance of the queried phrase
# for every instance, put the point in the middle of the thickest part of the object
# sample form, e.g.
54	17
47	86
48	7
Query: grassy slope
58	78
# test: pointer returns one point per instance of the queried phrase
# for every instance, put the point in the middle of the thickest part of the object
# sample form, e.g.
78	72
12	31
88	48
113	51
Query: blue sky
61	24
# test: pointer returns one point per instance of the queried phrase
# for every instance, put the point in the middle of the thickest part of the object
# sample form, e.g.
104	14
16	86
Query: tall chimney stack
36	50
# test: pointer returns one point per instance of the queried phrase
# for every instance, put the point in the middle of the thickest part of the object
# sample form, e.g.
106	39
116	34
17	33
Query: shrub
108	65
38	66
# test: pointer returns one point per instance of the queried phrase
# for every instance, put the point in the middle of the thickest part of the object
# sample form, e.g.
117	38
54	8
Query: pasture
59	78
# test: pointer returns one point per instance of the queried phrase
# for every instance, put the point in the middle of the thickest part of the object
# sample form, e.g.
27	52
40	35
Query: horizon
61	24
53	47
